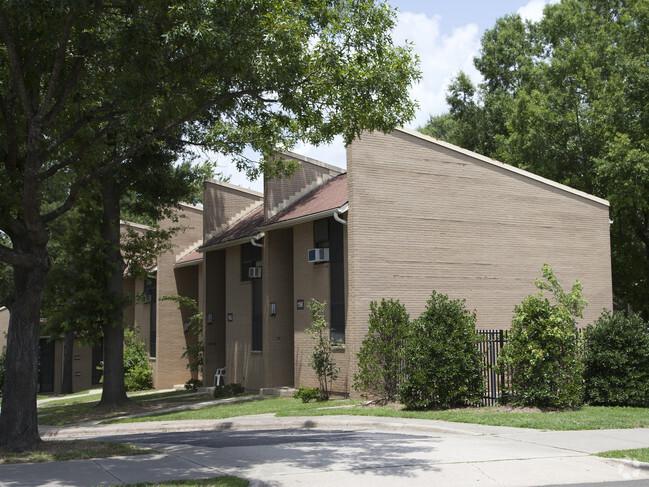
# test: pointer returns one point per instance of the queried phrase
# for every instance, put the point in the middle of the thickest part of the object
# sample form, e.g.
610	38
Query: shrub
321	361
616	360
137	370
193	384
381	353
306	394
542	354
228	390
443	365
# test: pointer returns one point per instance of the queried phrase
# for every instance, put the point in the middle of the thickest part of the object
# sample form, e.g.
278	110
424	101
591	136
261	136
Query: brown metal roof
245	227
329	195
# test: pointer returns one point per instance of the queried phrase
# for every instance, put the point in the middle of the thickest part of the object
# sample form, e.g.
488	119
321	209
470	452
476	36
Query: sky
446	37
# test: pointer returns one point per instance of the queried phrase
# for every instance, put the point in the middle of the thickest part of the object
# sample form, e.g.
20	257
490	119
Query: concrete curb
270	422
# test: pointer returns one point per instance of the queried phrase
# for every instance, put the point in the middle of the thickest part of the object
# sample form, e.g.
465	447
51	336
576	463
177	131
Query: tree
543	352
380	358
443	366
567	98
88	85
321	360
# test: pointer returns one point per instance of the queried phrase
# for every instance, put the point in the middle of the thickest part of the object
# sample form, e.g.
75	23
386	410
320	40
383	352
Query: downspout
340	211
254	239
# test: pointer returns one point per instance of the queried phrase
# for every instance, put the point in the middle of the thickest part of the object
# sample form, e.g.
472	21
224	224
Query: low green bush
443	366
542	355
381	354
137	370
616	360
193	384
307	394
228	390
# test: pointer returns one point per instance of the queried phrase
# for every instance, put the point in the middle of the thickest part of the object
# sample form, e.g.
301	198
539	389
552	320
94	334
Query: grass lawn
78	409
224	481
638	455
52	451
585	418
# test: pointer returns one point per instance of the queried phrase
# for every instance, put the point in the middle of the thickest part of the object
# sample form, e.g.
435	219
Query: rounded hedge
616	360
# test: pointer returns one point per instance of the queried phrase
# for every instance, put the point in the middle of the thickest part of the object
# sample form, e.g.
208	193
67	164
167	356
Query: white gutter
254	239
340	211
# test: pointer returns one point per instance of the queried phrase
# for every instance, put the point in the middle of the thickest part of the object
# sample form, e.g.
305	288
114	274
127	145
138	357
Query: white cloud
533	11
441	58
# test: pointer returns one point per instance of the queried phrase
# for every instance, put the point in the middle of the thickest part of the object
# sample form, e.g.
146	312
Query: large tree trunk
114	391
18	417
68	355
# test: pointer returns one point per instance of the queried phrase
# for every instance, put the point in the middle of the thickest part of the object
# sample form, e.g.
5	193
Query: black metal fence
490	345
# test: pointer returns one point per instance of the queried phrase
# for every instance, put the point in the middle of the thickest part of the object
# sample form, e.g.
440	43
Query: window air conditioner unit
146	298
254	272
318	255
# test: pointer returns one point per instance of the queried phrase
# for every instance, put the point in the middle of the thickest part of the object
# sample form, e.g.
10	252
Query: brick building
410	215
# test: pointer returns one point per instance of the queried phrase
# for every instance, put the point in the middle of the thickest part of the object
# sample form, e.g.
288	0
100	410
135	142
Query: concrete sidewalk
341	451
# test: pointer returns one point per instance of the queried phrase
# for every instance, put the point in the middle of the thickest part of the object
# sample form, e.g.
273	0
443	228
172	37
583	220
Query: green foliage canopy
443	366
567	98
616	360
382	351
543	352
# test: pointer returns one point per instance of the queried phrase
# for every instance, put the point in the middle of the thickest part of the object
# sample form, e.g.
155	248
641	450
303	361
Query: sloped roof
329	195
193	257
245	227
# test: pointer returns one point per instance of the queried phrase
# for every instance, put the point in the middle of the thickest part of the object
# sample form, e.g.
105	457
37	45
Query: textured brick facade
424	217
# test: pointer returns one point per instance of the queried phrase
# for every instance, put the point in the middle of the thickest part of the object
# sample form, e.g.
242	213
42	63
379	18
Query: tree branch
63	97
14	59
16	258
59	61
103	170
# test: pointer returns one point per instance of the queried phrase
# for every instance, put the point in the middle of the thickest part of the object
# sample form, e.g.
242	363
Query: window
328	233
250	257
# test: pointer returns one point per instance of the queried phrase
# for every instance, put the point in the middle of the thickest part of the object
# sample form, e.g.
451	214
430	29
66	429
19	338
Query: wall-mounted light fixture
230	317
273	309
186	326
300	304
209	318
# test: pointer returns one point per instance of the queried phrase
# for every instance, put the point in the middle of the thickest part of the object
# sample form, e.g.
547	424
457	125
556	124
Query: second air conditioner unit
254	272
318	255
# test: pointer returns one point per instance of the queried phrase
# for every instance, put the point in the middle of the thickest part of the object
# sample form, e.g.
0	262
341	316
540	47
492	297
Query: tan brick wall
311	281
224	204
281	192
215	305
277	276
424	217
170	369
244	366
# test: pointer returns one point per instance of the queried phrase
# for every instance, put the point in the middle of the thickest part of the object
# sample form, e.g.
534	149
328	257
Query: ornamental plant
616	360
442	363
321	358
542	355
137	370
381	354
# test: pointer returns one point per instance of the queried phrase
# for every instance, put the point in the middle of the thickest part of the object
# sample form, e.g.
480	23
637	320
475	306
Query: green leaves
443	366
382	351
321	359
542	355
